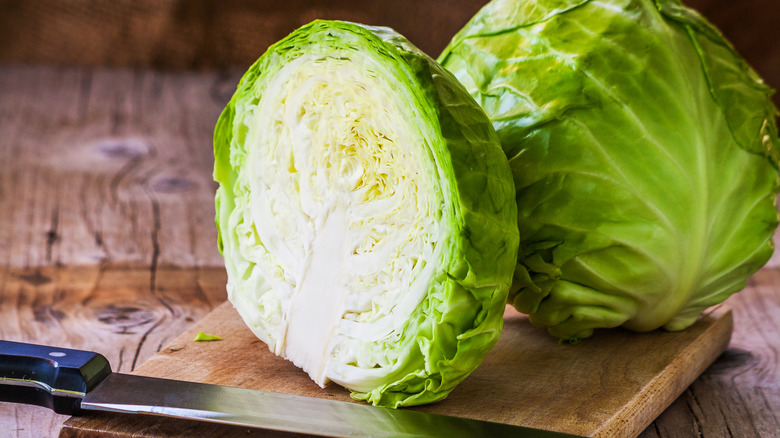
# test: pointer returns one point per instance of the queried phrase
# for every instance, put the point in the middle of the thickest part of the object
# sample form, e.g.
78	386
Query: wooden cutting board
611	385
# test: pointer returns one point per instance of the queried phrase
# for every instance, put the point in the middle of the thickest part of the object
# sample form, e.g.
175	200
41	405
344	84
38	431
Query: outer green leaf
644	152
365	213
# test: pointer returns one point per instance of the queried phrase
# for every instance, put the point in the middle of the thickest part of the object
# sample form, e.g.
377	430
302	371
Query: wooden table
106	193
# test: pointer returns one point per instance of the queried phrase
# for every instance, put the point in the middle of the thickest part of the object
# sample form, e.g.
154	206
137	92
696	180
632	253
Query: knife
74	382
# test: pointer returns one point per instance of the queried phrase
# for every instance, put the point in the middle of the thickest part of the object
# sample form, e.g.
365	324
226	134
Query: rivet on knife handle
56	378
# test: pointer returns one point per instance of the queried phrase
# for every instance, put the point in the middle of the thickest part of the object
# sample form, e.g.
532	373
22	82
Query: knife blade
74	382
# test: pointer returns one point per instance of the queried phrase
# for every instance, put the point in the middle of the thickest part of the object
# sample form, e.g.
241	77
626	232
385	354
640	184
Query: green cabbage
366	213
645	158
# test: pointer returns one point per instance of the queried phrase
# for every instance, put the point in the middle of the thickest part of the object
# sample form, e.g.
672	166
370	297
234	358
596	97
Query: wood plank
104	169
201	33
612	385
186	34
108	167
126	314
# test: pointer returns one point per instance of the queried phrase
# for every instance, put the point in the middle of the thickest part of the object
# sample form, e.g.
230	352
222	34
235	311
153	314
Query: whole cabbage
645	157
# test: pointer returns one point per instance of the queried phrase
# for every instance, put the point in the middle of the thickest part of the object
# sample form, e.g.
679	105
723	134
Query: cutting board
611	385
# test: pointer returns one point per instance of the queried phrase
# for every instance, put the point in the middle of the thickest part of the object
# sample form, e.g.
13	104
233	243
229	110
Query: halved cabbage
366	213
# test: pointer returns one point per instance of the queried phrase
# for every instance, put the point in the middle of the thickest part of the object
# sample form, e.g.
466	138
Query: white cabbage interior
342	223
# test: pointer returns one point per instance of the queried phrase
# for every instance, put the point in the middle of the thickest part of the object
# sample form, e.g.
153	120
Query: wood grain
613	385
126	314
187	34
80	150
739	396
105	180
201	33
108	167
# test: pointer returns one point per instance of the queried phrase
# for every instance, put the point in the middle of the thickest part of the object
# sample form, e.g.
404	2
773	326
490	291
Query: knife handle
56	378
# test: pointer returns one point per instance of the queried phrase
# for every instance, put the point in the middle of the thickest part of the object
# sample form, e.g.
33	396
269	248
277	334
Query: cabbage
365	212
644	152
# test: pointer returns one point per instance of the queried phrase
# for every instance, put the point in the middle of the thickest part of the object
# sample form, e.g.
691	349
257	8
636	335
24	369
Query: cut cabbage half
366	213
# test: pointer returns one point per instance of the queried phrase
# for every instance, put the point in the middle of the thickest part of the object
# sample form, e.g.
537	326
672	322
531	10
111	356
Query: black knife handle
56	378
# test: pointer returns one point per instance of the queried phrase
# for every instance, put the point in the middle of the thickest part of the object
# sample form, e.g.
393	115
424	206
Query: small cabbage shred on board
644	151
365	212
